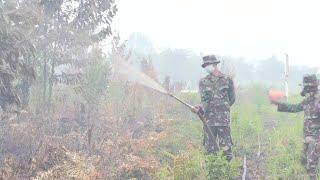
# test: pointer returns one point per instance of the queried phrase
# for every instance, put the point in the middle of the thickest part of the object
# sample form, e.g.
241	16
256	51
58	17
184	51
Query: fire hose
201	117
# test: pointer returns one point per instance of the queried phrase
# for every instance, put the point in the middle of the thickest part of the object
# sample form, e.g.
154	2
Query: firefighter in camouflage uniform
217	96
311	107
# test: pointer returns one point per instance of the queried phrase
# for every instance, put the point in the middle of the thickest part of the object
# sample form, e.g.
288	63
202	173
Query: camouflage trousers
223	139
311	151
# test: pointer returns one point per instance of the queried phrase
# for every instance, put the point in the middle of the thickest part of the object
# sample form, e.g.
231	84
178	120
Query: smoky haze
250	29
84	97
184	65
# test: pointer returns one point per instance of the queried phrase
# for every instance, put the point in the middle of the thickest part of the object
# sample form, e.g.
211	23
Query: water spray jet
123	68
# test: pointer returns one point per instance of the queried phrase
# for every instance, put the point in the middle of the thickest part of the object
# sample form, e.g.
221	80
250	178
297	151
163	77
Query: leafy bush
189	166
185	166
219	168
94	82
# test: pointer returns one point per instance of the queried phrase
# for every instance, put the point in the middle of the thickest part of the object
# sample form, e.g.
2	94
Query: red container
275	95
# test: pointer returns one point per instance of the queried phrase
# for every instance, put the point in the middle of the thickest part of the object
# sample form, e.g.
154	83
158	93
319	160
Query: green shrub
219	168
189	166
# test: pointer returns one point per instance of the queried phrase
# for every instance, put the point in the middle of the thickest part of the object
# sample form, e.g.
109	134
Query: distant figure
217	96
311	107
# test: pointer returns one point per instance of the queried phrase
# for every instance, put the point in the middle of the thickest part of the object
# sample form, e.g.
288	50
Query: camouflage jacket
217	96
311	108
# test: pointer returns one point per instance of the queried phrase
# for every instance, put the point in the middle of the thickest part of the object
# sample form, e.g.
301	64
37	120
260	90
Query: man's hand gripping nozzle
200	112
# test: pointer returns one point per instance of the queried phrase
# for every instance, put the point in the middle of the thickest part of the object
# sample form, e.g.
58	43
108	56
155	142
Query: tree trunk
51	82
44	80
25	92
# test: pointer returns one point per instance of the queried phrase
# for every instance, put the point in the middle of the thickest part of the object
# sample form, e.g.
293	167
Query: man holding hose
217	96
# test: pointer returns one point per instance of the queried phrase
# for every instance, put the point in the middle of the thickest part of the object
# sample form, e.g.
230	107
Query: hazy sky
240	28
